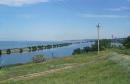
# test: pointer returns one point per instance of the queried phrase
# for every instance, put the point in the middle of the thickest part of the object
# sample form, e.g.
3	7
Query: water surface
18	58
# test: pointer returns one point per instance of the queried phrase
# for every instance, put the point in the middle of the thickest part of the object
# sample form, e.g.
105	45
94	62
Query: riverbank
84	68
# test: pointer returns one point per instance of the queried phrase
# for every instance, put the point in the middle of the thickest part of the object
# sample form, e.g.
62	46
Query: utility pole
98	32
112	37
112	41
52	50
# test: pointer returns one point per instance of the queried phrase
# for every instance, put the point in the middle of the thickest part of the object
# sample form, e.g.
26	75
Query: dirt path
126	56
44	73
31	76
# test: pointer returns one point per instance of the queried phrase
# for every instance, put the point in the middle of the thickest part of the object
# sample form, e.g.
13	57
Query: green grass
123	51
9	72
102	71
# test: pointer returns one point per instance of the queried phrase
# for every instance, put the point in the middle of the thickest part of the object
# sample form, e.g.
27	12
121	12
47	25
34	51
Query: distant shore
32	48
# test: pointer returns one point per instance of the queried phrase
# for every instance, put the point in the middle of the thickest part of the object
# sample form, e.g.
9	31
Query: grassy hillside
106	68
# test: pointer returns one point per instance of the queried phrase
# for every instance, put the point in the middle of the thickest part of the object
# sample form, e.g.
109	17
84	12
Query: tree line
35	48
105	44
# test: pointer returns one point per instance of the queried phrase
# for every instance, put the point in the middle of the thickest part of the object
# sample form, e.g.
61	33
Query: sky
43	20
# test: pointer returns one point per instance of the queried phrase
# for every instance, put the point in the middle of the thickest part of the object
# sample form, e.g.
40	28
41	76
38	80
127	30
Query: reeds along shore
32	48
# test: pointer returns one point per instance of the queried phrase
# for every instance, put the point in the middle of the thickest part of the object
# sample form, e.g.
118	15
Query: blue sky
63	19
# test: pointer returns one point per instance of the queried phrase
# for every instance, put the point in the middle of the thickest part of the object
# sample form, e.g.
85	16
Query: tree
55	46
30	49
48	46
126	42
8	51
77	51
87	49
40	47
34	48
0	52
38	58
21	50
104	43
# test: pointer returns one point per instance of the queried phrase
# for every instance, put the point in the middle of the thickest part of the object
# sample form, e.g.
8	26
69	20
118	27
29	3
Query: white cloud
20	2
119	9
102	16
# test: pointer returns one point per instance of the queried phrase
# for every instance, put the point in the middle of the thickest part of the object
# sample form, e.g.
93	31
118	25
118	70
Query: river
26	57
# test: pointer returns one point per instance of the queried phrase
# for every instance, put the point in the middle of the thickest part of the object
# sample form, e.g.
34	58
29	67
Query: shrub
40	47
34	48
87	49
104	43
38	58
48	46
30	49
124	51
21	50
126	42
8	51
0	52
77	51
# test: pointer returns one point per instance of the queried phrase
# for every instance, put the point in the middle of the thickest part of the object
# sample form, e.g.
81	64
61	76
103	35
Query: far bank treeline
32	48
121	43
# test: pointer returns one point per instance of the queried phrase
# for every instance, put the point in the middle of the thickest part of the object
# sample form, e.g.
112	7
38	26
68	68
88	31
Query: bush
87	49
8	51
104	43
77	51
126	42
20	50
38	58
0	52
30	49
34	48
48	46
40	47
124	51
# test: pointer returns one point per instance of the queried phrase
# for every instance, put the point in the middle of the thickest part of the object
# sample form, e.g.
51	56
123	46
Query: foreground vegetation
108	67
111	66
